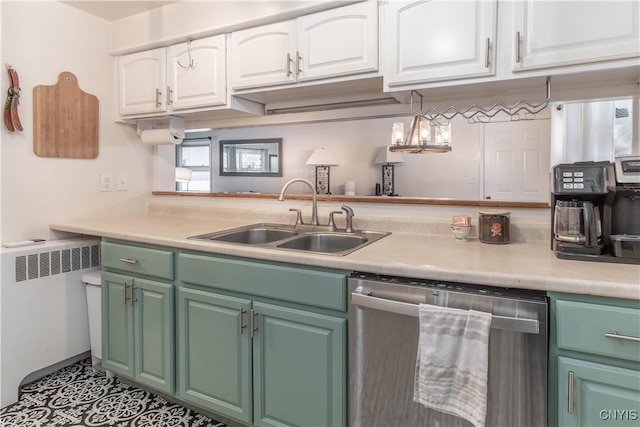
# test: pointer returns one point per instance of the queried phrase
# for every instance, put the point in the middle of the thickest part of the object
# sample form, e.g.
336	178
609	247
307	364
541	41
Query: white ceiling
112	10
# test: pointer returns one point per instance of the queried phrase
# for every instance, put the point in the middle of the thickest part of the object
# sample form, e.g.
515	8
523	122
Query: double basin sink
301	238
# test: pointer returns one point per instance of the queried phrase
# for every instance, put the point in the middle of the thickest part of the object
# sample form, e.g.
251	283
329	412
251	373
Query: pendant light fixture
418	139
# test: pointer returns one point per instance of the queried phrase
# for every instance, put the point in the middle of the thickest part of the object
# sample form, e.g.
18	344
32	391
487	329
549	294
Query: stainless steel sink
307	239
324	242
251	235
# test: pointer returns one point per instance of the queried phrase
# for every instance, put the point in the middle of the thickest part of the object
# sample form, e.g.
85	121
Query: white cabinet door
433	40
338	41
142	82
516	160
263	55
197	73
558	33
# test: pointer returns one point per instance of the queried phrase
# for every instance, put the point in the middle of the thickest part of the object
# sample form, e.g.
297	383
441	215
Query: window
195	154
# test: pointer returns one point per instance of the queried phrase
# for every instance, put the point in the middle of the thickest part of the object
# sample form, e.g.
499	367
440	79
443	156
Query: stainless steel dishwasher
383	343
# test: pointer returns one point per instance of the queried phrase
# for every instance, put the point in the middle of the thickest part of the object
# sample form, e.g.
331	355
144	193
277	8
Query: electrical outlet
106	182
122	182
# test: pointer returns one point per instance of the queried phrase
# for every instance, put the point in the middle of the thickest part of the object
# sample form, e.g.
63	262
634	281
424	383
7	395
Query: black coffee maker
594	216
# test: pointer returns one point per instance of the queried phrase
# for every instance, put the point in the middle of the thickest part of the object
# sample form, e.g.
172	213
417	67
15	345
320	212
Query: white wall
40	40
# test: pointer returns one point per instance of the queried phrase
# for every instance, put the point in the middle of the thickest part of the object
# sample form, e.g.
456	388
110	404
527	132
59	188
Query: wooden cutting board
65	120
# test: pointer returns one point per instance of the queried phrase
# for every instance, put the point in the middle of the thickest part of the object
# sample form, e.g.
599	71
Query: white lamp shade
385	156
183	174
322	157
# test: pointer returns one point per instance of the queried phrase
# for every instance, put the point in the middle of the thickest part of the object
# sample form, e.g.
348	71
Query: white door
197	73
263	55
338	41
517	160
433	40
142	82
555	33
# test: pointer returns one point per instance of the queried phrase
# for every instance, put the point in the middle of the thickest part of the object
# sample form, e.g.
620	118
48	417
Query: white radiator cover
43	308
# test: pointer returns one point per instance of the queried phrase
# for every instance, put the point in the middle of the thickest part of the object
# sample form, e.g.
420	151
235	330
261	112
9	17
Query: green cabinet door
298	368
137	330
214	357
593	394
153	331
117	324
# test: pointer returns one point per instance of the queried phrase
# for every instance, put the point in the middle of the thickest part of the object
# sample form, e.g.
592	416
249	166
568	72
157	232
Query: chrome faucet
314	212
349	212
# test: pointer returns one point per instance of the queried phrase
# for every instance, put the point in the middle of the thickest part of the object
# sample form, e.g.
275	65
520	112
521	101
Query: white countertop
525	265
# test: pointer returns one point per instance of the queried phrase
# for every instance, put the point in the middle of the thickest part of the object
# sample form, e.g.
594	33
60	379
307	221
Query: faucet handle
298	216
349	211
332	224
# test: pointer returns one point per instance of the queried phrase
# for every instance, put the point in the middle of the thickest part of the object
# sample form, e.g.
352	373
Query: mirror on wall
252	157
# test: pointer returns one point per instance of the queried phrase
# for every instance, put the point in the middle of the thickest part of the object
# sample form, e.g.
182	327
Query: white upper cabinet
434	40
162	80
338	41
142	82
559	33
263	55
197	73
335	42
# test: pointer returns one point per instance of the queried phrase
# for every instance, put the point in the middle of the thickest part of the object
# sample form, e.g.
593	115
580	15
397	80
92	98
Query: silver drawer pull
129	260
616	336
241	324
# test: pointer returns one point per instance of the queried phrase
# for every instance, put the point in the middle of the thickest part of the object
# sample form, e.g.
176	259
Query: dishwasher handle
505	323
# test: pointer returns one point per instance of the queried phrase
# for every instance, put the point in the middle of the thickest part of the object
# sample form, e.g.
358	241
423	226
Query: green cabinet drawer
137	260
598	329
310	286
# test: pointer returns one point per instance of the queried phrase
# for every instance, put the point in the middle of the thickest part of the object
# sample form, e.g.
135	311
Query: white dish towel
452	364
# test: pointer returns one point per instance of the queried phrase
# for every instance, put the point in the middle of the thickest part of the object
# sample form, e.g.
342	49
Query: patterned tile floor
79	396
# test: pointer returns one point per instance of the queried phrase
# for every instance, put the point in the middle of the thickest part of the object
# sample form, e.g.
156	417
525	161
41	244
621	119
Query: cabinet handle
289	61
169	95
241	324
124	293
570	406
158	95
298	61
486	57
517	46
616	336
252	320
129	260
133	295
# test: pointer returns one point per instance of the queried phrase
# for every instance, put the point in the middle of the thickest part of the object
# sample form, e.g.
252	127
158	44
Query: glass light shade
425	131
443	134
397	133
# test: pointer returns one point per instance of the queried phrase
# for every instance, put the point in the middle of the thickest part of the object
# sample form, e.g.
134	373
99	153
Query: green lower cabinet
298	368
138	330
593	394
214	356
261	363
